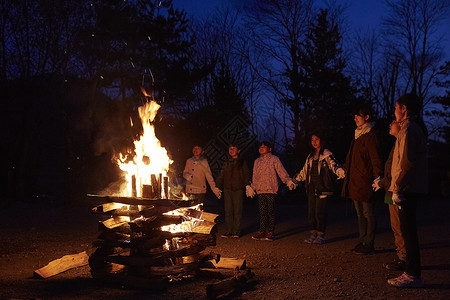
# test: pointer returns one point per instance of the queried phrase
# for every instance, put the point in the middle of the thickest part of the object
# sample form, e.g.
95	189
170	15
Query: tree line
72	71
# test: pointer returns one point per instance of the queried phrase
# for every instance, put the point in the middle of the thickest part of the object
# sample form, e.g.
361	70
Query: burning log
148	260
157	222
115	222
147	237
145	201
152	238
227	286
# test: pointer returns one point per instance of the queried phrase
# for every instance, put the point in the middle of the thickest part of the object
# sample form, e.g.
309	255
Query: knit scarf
363	129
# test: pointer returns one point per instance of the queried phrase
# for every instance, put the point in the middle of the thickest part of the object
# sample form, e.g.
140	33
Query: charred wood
157	222
229	285
110	235
152	259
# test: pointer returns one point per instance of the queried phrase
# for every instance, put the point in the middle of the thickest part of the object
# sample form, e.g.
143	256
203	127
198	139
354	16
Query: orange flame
149	157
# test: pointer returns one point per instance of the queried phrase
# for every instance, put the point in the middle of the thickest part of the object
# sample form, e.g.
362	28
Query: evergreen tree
328	95
227	99
129	44
227	103
444	100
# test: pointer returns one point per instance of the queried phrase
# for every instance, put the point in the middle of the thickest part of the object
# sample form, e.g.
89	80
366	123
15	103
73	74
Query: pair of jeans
366	221
408	227
233	210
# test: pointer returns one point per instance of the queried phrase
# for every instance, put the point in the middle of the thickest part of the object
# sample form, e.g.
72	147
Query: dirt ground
33	234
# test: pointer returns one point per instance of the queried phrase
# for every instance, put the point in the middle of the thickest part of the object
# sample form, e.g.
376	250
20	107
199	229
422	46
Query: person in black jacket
317	175
234	177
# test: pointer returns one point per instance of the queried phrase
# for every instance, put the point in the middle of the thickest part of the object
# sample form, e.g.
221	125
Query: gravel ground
34	234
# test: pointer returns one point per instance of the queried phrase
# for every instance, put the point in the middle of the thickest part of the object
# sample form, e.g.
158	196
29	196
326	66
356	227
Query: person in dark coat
234	177
363	164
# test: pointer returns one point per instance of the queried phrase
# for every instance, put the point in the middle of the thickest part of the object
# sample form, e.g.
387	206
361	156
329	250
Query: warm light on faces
233	151
361	120
263	150
394	128
197	151
315	142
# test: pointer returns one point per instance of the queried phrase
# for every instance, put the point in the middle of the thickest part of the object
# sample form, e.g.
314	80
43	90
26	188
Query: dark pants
266	212
366	221
316	212
233	210
408	227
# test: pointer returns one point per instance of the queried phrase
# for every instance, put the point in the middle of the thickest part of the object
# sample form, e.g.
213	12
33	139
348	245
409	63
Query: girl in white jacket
319	186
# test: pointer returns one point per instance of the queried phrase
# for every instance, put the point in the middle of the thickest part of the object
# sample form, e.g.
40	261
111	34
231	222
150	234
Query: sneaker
269	236
226	235
406	281
396	265
365	249
259	236
235	235
320	240
357	247
311	239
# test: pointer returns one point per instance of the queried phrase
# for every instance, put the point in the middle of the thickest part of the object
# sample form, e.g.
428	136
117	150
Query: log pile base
239	281
137	240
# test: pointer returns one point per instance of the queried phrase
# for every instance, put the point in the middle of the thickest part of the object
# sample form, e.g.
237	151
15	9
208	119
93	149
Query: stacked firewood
149	242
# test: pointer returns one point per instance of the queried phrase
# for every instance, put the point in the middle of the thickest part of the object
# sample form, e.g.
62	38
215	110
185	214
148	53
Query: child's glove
340	173
249	192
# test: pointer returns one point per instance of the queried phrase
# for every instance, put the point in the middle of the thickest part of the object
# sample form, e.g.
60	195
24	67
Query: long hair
322	143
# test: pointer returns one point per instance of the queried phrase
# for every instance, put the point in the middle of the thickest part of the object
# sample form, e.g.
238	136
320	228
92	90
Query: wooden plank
144	201
63	264
205	228
210	217
115	222
151	259
106	207
230	263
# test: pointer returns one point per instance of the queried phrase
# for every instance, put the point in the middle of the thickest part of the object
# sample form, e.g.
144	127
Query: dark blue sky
360	14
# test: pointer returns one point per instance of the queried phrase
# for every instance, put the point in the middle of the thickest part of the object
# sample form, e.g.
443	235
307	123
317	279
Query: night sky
360	14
